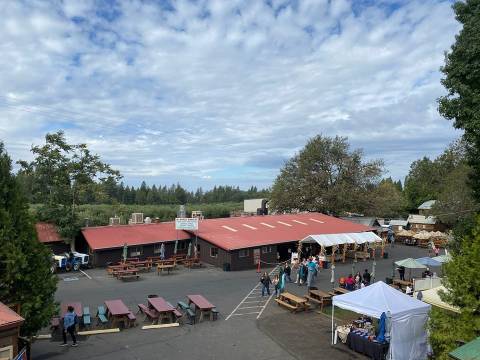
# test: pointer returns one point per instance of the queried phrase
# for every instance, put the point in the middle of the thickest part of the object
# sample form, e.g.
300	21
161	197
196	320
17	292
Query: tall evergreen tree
25	276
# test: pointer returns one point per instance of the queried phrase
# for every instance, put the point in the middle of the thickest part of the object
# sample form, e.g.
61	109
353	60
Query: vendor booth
352	240
407	318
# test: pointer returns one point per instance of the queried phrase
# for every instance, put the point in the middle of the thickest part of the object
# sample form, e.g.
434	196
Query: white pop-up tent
327	240
408	336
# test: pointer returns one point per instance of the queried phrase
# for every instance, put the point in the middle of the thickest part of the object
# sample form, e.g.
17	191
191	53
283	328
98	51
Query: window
136	251
266	249
214	252
182	245
243	253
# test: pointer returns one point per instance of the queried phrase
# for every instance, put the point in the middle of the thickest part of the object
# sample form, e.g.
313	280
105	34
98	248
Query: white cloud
224	91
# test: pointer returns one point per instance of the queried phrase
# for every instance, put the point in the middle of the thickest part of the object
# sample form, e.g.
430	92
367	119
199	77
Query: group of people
358	281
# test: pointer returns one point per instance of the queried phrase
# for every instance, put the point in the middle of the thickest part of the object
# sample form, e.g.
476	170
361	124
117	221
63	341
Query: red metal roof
244	232
108	237
47	233
8	317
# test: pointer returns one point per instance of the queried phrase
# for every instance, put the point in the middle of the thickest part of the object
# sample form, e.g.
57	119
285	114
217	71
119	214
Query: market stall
406	318
350	243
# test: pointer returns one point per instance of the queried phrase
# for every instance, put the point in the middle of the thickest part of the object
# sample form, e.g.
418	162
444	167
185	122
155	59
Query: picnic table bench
119	273
338	291
194	262
117	311
179	258
292	302
162	267
319	297
149	313
112	268
164	309
201	304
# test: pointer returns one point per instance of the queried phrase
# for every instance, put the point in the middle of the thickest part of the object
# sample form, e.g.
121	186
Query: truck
69	261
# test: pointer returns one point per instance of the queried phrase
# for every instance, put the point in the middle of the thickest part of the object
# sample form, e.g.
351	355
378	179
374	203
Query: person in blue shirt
69	322
312	270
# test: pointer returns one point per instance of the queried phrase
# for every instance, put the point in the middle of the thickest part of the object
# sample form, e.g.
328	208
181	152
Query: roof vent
114	221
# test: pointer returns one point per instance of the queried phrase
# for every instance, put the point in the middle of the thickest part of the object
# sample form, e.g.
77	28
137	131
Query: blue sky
223	92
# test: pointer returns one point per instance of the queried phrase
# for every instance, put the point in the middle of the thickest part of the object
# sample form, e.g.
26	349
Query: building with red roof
105	243
10	323
239	241
47	234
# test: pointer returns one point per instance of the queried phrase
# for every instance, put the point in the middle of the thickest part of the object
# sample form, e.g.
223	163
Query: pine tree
25	276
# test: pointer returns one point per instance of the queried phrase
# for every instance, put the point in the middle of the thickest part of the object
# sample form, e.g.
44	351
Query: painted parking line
84	273
255	293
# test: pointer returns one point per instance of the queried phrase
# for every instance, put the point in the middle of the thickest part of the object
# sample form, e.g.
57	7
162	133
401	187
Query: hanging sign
186	223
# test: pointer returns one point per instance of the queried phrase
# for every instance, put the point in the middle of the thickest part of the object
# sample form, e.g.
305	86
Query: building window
243	253
266	249
136	251
214	252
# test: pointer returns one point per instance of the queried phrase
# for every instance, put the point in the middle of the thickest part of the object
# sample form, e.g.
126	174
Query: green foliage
326	176
25	276
462	81
463	284
100	214
387	200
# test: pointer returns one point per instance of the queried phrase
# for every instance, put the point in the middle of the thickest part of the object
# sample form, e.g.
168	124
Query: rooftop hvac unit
137	218
114	221
148	220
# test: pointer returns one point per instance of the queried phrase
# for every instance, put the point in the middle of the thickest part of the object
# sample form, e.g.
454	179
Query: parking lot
249	326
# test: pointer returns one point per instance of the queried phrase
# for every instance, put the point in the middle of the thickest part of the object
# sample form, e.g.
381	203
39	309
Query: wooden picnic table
402	282
143	263
338	291
77	306
118	311
320	297
118	273
162	307
162	267
292	302
202	304
192	262
112	268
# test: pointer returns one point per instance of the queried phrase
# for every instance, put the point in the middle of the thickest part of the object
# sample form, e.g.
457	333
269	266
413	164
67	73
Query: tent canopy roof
428	261
327	240
431	296
374	299
410	263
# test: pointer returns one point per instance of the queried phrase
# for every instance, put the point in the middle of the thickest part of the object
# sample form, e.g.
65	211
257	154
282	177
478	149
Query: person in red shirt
350	282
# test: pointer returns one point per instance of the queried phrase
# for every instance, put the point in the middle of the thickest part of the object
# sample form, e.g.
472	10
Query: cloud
224	91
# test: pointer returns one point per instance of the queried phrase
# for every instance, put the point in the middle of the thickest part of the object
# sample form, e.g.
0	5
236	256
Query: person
420	295
426	273
275	284
358	280
265	280
436	250
341	282
301	270
401	272
362	285
409	290
288	271
69	322
350	282
366	277
312	269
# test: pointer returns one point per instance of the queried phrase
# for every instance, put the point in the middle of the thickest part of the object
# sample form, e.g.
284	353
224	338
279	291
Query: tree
463	285
63	174
387	200
25	276
462	81
326	176
422	183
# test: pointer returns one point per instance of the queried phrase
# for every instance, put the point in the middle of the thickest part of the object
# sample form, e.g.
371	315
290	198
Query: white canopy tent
328	240
408	337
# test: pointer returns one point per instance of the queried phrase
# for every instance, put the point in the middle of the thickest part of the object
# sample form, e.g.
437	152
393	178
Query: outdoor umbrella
195	251
162	251
428	261
175	248
410	263
332	279
125	252
189	252
373	271
381	328
442	258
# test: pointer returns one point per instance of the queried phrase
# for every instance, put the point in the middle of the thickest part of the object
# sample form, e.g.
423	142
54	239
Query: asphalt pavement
256	327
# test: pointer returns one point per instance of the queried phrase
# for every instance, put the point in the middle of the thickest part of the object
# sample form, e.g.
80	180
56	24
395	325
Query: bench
102	318
182	305
214	314
191	316
129	277
313	300
131	319
287	305
142	308
86	320
152	315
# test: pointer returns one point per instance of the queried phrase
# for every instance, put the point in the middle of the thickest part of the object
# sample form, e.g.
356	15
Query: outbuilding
48	235
105	244
10	323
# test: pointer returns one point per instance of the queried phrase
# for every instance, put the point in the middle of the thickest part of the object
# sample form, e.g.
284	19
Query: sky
224	91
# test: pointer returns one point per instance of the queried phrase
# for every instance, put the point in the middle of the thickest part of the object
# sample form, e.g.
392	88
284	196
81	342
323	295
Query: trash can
226	266
385	255
388	281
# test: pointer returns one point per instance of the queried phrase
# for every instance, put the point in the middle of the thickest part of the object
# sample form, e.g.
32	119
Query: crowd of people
358	281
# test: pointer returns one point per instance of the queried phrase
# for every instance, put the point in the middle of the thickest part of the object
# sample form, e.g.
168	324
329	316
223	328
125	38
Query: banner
186	223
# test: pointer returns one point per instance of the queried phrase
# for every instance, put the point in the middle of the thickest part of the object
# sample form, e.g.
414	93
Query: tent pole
333	310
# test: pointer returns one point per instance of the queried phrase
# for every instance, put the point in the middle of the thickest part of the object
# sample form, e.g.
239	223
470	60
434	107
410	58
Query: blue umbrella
381	328
428	261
